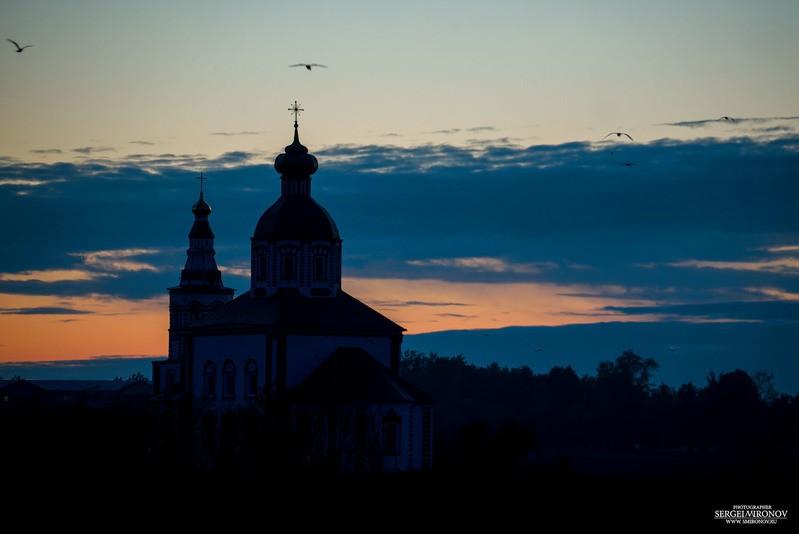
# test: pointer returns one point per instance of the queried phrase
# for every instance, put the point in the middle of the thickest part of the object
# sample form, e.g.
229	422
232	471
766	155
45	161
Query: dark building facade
294	371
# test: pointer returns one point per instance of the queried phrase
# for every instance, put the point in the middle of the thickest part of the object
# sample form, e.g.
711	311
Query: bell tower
200	292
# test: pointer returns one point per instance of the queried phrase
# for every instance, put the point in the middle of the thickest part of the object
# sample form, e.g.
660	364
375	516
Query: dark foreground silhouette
552	449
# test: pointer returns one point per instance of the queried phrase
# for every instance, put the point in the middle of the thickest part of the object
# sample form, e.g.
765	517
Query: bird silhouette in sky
19	48
726	118
308	65
618	134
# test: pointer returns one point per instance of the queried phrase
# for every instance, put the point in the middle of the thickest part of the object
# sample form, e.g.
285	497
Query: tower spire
201	269
200	290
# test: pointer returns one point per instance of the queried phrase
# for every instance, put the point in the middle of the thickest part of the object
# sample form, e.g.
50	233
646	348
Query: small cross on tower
201	178
296	110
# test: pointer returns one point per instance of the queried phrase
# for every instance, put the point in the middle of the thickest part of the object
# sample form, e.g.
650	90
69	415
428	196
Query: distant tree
622	389
765	385
733	409
629	368
137	377
734	390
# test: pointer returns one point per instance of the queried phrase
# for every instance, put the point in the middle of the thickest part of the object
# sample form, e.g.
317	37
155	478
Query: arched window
170	378
288	268
194	311
229	380
391	433
319	268
251	379
261	267
209	380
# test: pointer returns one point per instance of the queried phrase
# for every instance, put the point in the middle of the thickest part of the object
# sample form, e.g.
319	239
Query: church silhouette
293	374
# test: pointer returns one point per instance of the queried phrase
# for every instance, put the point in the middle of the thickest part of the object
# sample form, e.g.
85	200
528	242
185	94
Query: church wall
402	461
305	353
414	450
229	355
360	437
420	437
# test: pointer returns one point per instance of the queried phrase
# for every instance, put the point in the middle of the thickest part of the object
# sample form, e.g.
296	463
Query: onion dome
296	161
201	207
295	215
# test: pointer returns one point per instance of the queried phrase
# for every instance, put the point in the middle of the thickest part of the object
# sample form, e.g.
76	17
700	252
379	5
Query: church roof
289	311
350	374
296	217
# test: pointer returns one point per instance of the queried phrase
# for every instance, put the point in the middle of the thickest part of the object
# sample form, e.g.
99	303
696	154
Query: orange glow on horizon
423	306
106	326
32	329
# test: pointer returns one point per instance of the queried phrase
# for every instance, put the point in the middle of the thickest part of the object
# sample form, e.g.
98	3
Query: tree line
495	419
498	417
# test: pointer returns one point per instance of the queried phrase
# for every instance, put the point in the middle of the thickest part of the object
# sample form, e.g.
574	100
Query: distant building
96	395
295	371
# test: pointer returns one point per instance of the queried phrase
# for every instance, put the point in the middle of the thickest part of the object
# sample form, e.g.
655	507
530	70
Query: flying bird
618	134
19	48
308	65
726	118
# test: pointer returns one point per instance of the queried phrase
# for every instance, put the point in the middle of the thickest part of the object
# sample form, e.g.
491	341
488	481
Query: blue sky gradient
464	148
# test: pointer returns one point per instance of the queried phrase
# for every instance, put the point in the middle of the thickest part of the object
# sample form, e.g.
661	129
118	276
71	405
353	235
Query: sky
465	152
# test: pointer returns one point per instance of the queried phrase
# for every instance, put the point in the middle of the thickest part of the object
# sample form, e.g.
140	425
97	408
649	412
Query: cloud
722	119
757	311
42	311
235	134
240	270
691	220
783	248
399	303
774	293
697	123
495	265
22	182
785	265
93	149
232	159
51	276
117	260
423	303
475	129
46	151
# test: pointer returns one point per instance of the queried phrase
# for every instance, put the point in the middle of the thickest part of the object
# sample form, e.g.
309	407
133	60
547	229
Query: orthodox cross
201	178
296	110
